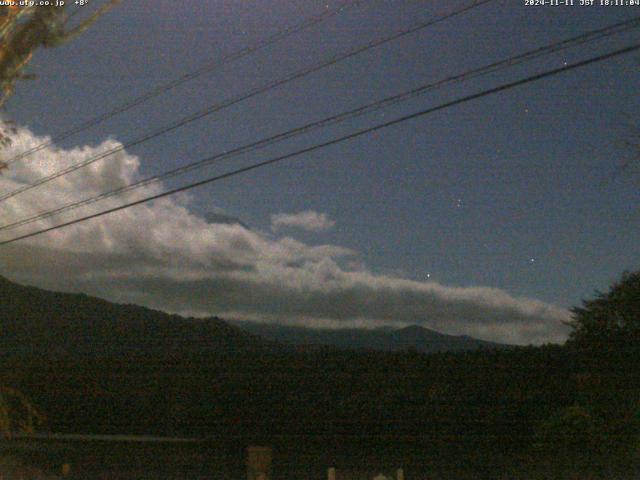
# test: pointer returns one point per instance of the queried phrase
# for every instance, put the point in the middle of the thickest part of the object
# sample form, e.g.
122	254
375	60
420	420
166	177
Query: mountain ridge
412	337
38	320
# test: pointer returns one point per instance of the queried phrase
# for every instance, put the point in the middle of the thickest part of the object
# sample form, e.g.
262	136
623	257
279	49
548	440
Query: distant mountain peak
414	337
417	329
33	319
224	219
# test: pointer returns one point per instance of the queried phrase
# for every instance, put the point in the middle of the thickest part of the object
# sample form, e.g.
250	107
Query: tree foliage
606	419
611	320
24	29
17	413
572	437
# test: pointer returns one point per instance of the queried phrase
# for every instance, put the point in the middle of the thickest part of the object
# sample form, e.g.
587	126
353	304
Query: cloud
310	221
162	255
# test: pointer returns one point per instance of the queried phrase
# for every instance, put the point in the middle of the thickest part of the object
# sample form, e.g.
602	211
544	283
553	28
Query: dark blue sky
469	195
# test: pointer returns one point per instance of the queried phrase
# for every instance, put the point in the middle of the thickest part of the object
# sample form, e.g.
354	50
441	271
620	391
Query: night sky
519	193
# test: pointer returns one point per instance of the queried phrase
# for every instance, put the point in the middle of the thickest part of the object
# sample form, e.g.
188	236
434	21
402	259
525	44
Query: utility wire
386	102
380	126
217	107
208	68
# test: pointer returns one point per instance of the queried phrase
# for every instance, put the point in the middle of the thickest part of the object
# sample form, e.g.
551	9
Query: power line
235	100
380	126
386	102
208	68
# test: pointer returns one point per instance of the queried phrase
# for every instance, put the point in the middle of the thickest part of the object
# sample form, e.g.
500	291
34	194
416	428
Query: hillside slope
415	338
33	320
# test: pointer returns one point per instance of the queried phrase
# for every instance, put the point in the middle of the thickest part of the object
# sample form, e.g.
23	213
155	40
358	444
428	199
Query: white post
331	473
259	463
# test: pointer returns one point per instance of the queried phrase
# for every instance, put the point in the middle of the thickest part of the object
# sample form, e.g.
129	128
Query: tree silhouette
572	437
24	29
610	320
17	414
606	335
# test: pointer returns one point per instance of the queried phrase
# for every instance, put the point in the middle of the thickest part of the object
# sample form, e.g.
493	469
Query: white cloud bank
310	221
162	255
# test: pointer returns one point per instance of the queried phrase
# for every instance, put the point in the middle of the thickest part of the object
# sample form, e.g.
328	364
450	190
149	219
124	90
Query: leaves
610	321
17	414
24	29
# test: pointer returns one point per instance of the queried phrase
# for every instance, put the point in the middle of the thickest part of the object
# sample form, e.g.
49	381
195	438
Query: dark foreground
303	457
558	412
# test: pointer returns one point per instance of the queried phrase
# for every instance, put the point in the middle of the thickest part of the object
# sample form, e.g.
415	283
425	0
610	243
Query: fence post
400	474
331	473
259	463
